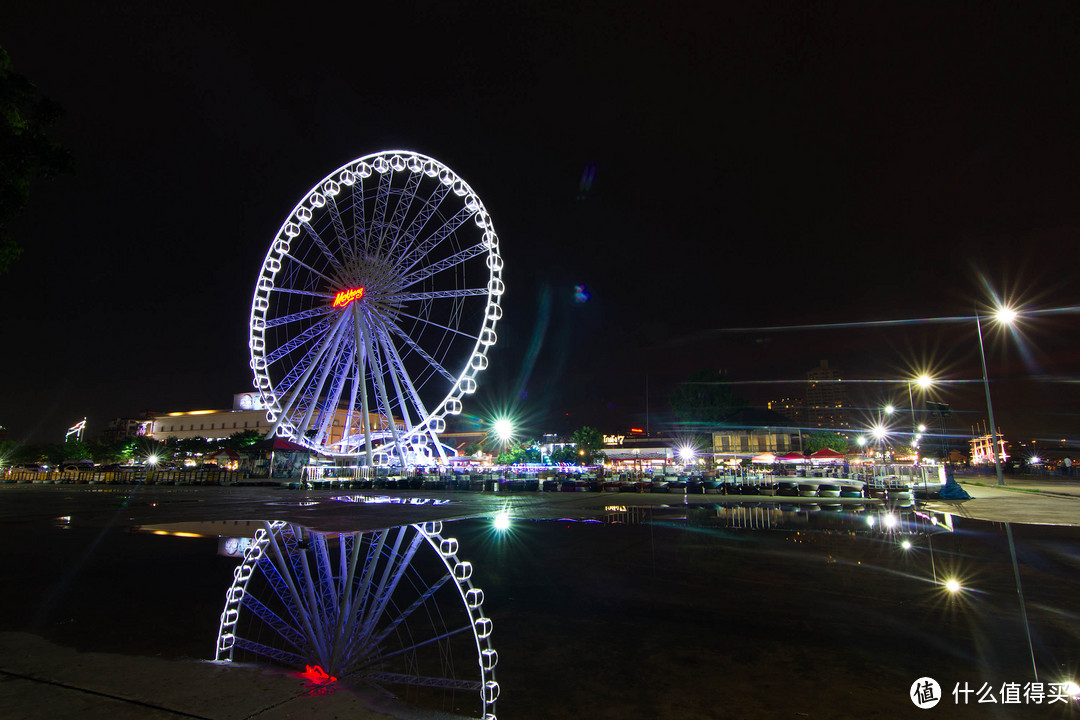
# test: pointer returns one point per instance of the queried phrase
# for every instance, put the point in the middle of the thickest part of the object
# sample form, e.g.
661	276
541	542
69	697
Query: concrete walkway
46	681
1035	500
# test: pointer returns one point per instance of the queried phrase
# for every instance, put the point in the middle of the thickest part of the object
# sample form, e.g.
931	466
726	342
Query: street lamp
1004	315
924	382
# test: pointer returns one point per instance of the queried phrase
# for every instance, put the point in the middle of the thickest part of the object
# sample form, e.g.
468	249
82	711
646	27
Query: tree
589	444
26	153
819	439
523	453
705	398
242	440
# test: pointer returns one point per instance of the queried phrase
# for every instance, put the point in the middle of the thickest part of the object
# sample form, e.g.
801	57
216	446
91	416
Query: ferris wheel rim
429	422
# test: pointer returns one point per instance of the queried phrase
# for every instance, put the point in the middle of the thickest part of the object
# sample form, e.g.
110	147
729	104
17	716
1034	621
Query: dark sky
757	165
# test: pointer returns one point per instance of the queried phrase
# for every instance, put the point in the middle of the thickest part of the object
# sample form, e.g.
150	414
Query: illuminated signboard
344	297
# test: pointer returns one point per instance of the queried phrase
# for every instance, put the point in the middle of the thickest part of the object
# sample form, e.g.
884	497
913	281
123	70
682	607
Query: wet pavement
620	604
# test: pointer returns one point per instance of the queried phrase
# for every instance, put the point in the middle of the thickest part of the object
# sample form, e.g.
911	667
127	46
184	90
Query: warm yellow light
924	381
952	586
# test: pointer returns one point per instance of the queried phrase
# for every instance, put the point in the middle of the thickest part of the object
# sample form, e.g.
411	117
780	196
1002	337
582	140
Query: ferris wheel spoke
299	385
419	681
453	261
404	202
281	656
424	214
393	366
380	387
415	346
316	393
378	220
291	291
421	249
392	574
359	236
399	366
365	415
339	227
422	643
440	294
432	323
306	612
286	631
333	261
413	607
301	315
302	339
337	385
310	269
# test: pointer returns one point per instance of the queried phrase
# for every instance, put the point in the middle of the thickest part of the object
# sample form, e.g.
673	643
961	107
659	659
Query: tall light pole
924	381
1005	316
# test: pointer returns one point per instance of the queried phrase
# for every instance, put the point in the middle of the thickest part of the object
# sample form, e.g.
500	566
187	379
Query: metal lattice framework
375	308
367	606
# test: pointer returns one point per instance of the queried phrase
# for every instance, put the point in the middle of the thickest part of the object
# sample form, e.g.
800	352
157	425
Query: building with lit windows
247	413
827	403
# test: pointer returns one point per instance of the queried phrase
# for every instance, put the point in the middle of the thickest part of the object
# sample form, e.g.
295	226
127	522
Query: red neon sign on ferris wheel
344	297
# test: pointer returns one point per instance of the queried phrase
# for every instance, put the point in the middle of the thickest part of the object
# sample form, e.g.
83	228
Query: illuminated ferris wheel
375	308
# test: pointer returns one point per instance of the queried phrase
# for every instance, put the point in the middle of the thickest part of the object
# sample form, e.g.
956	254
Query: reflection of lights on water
906	544
890	521
870	520
953	585
502	521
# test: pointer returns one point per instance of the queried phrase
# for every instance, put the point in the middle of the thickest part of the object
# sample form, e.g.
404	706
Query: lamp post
924	381
1005	316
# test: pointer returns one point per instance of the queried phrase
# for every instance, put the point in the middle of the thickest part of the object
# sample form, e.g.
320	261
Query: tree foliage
820	439
589	445
26	152
705	399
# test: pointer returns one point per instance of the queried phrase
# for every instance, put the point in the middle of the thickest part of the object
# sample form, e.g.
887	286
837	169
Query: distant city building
248	413
791	408
752	432
119	428
827	405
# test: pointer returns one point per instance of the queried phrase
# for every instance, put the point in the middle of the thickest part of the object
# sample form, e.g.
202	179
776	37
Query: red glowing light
636	430
344	297
317	675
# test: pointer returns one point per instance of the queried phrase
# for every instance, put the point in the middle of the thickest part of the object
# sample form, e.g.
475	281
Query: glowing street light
686	453
1006	316
504	429
953	585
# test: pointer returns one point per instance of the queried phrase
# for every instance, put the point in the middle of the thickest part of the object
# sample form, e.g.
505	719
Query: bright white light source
1005	315
952	586
890	520
922	428
687	454
1071	689
502	522
879	432
504	429
153	459
860	440
924	381
870	520
905	544
889	409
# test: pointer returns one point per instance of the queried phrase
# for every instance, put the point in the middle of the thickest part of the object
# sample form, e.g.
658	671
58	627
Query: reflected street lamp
1005	316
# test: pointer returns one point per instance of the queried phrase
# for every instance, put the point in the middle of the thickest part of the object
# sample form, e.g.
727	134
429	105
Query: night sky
753	166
